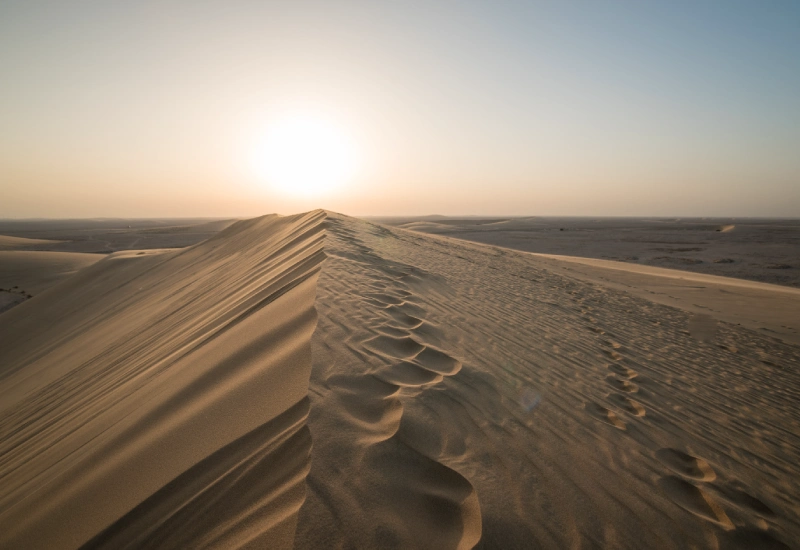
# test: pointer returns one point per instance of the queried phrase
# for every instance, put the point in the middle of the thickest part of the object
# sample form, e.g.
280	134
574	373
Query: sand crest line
455	395
158	368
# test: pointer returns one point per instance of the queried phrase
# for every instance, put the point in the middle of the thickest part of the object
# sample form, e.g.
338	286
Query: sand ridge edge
460	396
465	395
141	368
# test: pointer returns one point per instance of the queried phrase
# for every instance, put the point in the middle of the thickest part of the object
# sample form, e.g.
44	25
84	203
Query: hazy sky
122	108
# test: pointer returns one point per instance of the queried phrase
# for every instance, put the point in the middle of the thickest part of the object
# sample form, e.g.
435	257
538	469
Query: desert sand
35	272
106	235
157	399
765	307
24	274
9	242
764	250
457	395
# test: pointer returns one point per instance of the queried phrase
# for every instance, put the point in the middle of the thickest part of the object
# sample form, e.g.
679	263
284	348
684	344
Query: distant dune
11	243
763	250
427	227
759	306
36	271
105	236
24	274
457	395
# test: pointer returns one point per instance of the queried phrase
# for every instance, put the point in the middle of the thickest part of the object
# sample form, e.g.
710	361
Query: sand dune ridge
142	367
457	396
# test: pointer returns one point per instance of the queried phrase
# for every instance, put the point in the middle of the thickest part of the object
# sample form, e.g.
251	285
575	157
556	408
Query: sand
464	395
765	250
771	309
35	272
107	235
24	274
153	393
457	395
8	242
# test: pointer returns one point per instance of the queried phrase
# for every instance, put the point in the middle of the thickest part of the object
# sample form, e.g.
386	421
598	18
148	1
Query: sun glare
304	156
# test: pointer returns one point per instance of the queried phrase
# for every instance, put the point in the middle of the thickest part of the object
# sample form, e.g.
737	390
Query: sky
196	108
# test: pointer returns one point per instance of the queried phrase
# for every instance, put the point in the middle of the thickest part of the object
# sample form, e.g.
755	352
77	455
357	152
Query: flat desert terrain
321	381
104	236
766	250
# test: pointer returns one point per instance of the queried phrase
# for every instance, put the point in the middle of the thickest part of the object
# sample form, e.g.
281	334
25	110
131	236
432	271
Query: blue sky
552	108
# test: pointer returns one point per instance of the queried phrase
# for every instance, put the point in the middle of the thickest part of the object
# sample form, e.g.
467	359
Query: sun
304	156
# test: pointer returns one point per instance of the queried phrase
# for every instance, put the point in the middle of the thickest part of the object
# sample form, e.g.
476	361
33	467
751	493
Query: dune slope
758	306
7	242
460	396
159	399
464	395
35	272
24	274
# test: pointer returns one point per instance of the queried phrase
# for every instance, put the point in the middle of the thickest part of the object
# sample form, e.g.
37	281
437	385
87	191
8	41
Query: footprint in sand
627	404
389	330
686	465
621	384
427	332
420	364
604	415
615	355
746	501
402	318
408	374
384	298
368	402
437	361
409	308
612	344
694	500
622	371
394	347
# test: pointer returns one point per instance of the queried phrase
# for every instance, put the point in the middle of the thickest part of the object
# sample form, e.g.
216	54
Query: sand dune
8	242
102	236
24	274
465	395
158	400
426	227
763	250
460	396
34	272
772	309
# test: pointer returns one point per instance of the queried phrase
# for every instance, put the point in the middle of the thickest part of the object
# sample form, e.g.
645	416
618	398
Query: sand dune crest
459	396
154	385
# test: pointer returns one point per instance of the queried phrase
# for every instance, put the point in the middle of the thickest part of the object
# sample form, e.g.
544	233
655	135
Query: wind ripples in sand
145	398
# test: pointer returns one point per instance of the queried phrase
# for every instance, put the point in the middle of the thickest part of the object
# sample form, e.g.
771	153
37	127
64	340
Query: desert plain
323	381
